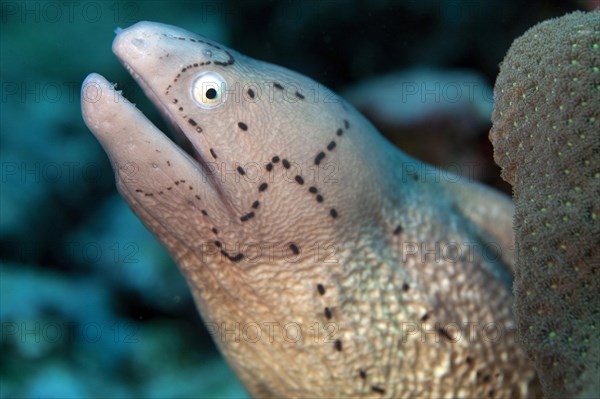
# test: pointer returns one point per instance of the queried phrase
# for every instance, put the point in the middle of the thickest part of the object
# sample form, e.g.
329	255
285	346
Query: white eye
208	90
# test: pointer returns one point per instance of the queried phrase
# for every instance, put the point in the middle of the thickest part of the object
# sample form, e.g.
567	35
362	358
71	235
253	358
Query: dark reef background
90	304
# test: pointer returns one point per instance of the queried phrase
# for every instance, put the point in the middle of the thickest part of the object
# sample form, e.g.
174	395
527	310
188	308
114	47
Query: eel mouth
145	160
181	140
150	53
141	50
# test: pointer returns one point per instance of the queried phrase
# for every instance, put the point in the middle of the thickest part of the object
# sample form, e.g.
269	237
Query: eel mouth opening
139	49
179	139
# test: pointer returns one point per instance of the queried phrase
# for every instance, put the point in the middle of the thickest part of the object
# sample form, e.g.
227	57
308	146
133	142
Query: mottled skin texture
377	260
546	137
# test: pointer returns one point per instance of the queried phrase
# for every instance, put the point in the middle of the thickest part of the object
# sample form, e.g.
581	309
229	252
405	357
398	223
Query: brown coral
546	135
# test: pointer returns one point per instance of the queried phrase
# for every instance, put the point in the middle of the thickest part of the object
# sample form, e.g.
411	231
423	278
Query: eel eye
208	90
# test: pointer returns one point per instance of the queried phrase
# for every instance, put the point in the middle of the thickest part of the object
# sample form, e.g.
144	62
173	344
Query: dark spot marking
491	393
191	188
263	187
333	213
241	170
397	230
319	157
239	256
169	188
346	124
331	146
277	86
275	159
486	378
300	96
242	126
294	249
469	360
269	167
181	108
168	163
250	93
212	152
214	230
247	216
137	190
198	129
444	334
328	314
319	198
362	373
197	197
174	101
204	212
176	183
425	317
377	389
218	244
321	289
230	61
182	181
285	163
148	194
299	179
338	345
160	192
312	189
235	258
339	132
192	122
255	204
405	287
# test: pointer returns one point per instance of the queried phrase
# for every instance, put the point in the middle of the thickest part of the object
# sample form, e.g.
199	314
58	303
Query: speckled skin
546	137
371	264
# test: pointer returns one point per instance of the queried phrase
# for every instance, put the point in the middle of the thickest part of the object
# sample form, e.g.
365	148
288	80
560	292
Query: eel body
326	262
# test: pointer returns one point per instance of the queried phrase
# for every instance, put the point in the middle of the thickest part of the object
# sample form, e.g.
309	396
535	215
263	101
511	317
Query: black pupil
211	93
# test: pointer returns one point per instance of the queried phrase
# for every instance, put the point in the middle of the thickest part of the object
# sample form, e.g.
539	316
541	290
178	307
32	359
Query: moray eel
326	262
